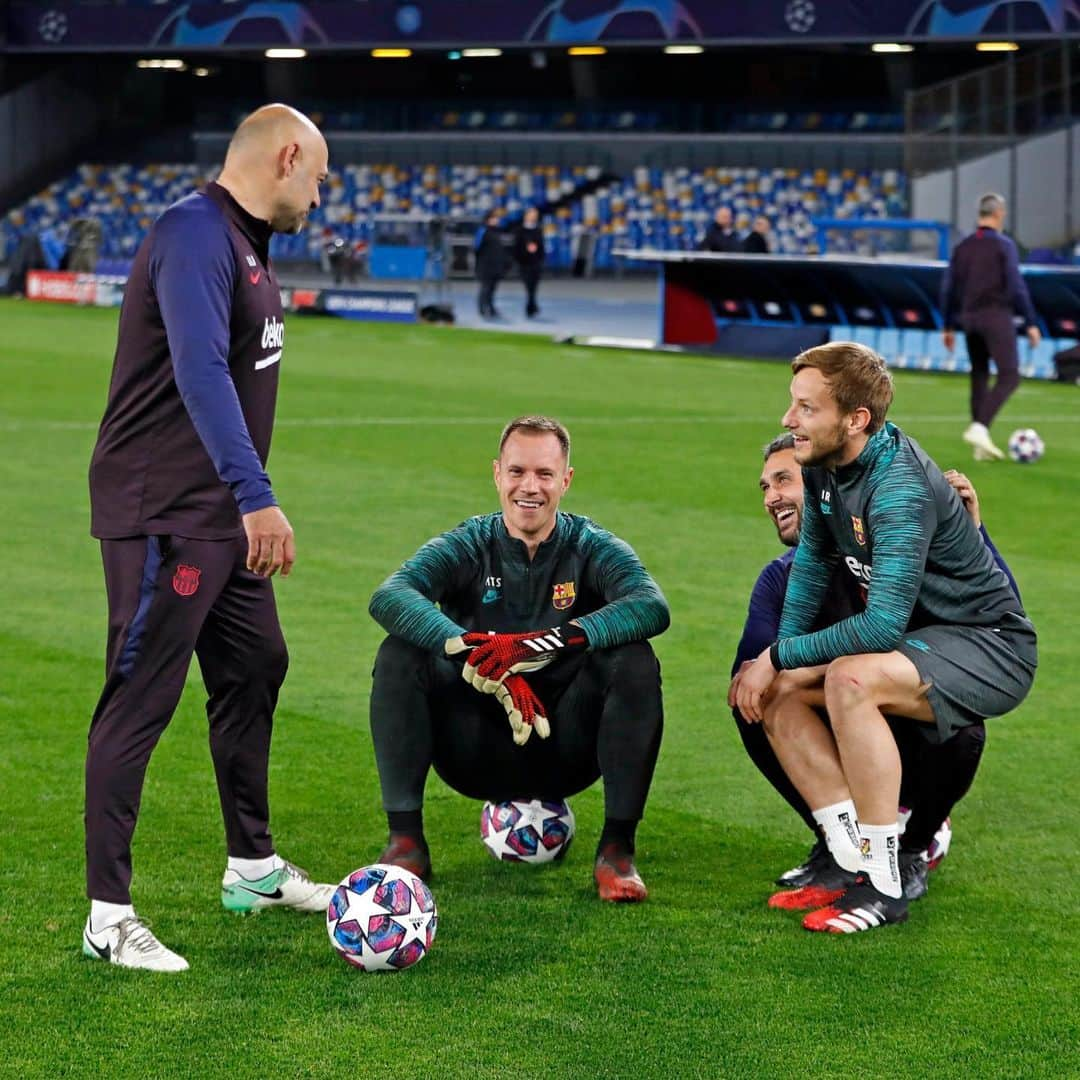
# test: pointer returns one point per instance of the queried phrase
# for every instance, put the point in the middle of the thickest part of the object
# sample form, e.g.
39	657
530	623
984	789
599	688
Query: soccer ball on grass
527	830
382	918
1025	446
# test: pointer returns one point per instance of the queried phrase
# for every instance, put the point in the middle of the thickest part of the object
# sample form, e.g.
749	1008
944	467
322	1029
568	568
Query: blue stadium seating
865	335
650	207
925	350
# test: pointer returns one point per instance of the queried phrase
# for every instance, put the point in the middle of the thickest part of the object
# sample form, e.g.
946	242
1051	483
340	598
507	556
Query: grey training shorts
974	672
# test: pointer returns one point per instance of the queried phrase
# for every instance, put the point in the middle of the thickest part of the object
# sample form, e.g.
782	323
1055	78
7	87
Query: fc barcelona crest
860	535
186	580
563	596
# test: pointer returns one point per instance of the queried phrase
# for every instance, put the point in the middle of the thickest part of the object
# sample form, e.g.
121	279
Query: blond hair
857	378
537	425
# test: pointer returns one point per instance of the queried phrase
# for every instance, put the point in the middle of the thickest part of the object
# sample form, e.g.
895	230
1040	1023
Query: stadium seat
866	335
915	348
666	208
1040	360
888	344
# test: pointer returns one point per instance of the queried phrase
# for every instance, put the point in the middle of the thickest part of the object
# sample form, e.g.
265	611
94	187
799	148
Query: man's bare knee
849	683
784	716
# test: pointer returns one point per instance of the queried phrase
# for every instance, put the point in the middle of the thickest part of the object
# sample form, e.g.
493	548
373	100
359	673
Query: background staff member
980	292
490	264
529	255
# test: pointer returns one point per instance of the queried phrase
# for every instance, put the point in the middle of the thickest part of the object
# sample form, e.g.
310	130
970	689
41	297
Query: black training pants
170	597
485	299
606	715
991	334
530	276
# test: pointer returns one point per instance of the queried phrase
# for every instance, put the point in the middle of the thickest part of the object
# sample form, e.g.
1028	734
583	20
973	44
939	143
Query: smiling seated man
529	615
934	776
943	639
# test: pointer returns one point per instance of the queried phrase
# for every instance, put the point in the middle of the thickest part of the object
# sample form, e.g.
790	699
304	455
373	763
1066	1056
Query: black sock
408	823
946	771
618	832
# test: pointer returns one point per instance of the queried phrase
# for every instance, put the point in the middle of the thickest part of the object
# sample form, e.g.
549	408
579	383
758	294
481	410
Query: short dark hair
786	441
537	425
857	378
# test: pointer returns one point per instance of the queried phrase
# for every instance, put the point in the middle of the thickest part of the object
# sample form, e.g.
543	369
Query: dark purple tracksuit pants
991	333
169	597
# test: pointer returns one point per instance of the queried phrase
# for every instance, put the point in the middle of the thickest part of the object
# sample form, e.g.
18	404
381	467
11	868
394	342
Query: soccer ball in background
382	918
1025	446
527	831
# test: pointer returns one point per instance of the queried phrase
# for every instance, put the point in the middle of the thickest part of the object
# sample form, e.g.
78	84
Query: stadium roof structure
69	25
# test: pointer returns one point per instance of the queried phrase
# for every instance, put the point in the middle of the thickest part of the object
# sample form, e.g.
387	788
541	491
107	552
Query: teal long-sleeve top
482	579
892	520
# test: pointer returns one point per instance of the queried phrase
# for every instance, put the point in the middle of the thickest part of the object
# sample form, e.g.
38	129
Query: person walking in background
980	292
757	240
721	234
529	255
190	528
490	264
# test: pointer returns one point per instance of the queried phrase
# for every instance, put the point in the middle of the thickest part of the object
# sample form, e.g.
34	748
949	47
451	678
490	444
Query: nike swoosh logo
267	361
254	278
490	597
105	953
277	894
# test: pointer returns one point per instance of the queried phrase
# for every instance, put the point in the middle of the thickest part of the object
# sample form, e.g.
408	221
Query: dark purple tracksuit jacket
186	434
180	455
980	292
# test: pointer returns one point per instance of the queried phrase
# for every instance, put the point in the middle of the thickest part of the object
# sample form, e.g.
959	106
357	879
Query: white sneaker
130	943
939	846
977	436
288	886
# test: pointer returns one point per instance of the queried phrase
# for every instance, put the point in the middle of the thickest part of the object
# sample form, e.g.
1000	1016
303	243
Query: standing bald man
191	532
980	292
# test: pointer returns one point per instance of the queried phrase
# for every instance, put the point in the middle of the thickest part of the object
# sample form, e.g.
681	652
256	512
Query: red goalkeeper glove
494	656
523	708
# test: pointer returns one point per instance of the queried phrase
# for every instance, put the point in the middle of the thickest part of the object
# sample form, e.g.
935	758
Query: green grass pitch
384	438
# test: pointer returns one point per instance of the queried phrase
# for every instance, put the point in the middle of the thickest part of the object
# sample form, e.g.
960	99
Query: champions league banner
67	26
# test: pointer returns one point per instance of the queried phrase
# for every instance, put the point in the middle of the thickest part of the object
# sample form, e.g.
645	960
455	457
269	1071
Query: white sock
253	869
103	914
881	862
841	828
903	816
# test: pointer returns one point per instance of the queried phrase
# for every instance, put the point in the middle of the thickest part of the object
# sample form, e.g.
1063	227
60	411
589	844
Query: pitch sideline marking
7	424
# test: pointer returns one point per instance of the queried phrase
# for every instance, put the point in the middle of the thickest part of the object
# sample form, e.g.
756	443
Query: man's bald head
269	128
275	162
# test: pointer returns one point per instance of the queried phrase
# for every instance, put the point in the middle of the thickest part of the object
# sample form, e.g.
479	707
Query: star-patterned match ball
527	831
382	918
